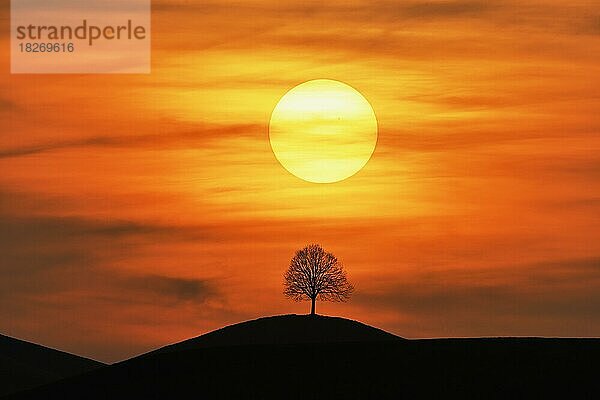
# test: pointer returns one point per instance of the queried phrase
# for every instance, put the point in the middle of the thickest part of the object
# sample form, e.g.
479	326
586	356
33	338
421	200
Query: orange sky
139	210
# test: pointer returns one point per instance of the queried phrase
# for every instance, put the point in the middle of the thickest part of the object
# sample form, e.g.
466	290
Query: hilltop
285	329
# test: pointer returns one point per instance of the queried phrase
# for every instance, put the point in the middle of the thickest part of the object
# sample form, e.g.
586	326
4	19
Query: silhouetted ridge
298	357
285	329
25	365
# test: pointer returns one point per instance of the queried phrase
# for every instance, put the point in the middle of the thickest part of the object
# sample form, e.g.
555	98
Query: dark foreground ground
269	365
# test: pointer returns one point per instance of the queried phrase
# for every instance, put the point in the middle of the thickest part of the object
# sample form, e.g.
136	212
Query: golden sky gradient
140	210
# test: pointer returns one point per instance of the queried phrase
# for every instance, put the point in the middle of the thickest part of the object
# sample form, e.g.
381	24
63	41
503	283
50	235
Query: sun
323	131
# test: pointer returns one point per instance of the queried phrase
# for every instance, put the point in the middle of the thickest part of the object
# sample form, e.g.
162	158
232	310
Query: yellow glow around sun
323	131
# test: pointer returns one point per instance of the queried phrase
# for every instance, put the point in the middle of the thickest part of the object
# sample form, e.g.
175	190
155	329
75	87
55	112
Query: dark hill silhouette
285	329
25	365
283	357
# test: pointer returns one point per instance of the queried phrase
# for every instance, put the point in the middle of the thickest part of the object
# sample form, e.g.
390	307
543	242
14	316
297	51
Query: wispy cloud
446	9
176	289
531	299
177	139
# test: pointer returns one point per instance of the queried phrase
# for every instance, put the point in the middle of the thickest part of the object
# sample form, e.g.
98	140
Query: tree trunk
312	307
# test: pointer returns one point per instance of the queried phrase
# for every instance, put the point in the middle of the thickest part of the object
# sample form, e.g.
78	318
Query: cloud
42	255
175	290
46	253
199	136
7	105
589	204
594	25
380	9
36	149
512	300
446	9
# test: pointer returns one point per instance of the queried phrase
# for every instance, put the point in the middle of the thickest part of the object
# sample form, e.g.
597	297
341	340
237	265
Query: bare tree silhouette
316	274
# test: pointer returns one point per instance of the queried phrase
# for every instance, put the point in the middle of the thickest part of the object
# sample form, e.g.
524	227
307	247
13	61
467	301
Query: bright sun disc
323	131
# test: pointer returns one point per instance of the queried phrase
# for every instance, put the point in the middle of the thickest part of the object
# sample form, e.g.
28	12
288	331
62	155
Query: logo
80	36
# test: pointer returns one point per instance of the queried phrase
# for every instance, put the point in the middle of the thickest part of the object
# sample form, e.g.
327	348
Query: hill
286	357
284	329
25	365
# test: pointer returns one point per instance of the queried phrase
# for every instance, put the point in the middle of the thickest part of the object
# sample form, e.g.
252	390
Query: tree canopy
316	274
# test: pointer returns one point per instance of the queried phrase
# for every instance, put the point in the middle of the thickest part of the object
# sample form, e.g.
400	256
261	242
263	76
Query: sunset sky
141	210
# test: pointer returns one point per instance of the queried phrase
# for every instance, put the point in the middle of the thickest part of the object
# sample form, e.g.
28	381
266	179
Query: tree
316	274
